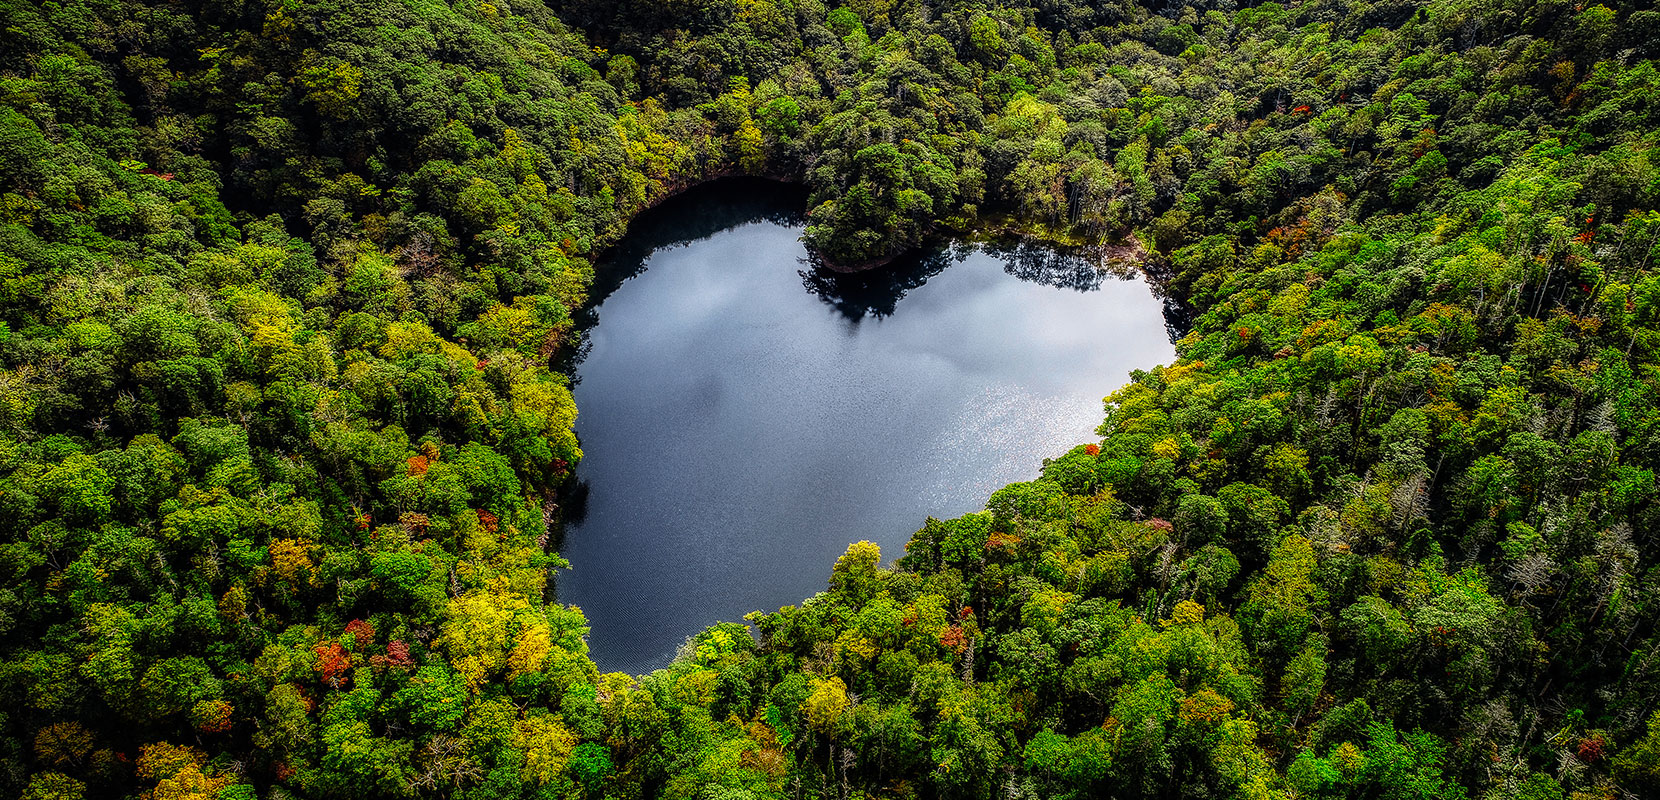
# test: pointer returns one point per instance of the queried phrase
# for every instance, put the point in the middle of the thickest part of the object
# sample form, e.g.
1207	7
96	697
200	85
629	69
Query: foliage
281	448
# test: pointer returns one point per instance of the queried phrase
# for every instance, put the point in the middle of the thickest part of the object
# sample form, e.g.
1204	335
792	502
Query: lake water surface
745	416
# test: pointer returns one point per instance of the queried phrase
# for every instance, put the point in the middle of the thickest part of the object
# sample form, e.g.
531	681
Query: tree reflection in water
877	292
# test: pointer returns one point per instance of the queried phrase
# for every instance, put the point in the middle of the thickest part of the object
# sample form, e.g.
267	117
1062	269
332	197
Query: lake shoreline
775	411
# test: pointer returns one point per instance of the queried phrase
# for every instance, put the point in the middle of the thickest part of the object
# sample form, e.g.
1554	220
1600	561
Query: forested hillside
281	449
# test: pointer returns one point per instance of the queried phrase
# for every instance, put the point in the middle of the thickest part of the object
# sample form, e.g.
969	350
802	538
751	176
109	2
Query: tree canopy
282	448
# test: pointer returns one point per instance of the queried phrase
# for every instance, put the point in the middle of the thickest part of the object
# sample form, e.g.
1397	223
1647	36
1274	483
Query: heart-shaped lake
746	415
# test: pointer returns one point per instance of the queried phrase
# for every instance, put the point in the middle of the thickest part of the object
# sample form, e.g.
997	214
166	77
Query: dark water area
746	415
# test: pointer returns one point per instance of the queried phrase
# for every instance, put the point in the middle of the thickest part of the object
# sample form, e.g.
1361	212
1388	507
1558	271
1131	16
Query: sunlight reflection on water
746	417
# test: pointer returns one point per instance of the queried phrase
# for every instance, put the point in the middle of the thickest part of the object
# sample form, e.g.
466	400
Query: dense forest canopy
281	449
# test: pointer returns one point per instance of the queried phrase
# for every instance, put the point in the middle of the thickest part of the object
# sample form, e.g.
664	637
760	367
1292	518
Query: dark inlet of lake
746	415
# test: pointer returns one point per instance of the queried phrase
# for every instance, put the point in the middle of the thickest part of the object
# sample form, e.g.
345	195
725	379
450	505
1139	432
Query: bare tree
445	762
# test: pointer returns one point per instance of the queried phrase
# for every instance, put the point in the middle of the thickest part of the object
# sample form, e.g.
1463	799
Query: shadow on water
1049	265
740	431
876	292
706	210
1083	270
693	215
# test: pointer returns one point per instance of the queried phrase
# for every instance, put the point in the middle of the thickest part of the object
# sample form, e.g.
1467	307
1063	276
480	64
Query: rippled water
745	416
